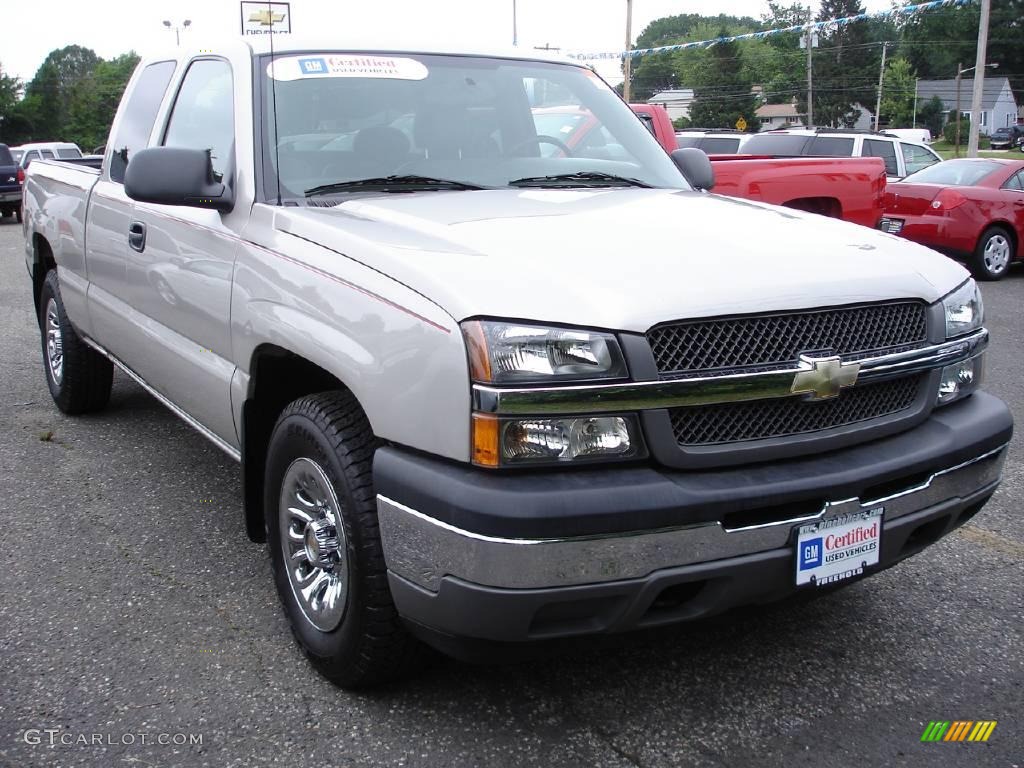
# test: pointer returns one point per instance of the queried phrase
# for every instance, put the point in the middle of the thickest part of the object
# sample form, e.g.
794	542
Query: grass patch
947	151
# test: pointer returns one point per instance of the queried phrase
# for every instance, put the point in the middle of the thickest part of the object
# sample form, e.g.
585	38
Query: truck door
106	231
180	264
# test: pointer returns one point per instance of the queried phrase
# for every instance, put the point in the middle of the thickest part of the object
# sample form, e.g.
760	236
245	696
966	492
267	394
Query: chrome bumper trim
424	550
709	390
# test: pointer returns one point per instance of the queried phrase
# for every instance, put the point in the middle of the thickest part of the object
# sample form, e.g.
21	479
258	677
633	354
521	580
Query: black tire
86	376
370	645
981	262
17	215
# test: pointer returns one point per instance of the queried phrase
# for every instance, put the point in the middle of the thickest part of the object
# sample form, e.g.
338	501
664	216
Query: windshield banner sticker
306	67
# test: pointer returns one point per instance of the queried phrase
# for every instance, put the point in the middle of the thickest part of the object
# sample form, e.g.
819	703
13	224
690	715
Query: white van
921	135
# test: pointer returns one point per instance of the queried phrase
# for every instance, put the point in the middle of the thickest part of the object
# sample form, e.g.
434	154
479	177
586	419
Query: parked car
901	157
971	209
1007	138
717	142
11	179
486	396
62	150
842	188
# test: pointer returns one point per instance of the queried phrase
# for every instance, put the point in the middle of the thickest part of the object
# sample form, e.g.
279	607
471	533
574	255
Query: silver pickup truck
488	386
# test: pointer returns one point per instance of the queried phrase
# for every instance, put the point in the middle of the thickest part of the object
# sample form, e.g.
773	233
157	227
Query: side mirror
176	176
695	167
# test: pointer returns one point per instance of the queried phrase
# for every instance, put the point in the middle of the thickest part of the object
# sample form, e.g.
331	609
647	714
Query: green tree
10	92
52	88
663	71
845	66
95	98
949	130
723	94
932	115
898	94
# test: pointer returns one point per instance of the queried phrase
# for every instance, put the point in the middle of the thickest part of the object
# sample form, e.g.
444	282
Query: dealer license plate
838	548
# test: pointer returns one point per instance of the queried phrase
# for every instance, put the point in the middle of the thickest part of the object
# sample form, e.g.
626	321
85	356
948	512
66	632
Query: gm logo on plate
810	554
313	66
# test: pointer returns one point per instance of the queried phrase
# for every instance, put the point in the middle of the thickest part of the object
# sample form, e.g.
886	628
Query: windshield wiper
391	183
579	179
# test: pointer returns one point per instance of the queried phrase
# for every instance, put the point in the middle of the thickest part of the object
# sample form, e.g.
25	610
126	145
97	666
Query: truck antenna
273	96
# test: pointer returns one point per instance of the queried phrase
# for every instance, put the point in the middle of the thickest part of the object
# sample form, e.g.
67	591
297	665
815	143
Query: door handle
137	236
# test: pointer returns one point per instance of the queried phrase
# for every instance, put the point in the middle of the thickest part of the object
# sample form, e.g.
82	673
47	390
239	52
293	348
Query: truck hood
622	259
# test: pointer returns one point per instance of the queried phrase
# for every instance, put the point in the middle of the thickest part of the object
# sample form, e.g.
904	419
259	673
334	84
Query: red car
971	209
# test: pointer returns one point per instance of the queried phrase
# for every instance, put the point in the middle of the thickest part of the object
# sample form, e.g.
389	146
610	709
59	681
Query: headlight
960	380
518	441
964	309
516	353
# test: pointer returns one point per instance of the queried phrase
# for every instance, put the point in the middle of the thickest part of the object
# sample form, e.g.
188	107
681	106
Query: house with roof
777	115
677	102
998	105
780	115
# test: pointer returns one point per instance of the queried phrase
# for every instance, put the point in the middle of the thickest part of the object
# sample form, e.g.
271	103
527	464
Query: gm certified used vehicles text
484	393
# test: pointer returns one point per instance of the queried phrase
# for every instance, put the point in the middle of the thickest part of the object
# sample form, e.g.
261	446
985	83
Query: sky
112	27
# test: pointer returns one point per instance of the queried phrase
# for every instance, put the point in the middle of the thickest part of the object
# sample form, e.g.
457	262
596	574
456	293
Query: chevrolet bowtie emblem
267	18
823	377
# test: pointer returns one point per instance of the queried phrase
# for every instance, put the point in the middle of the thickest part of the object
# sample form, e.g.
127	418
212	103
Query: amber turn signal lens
476	345
485	440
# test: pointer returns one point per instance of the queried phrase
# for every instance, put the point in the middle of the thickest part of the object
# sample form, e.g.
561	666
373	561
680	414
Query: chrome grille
765	341
760	419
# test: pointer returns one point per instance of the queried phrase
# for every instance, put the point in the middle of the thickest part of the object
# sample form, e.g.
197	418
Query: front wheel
325	546
993	254
78	376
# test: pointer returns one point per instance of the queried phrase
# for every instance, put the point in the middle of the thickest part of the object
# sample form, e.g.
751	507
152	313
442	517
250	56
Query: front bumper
549	554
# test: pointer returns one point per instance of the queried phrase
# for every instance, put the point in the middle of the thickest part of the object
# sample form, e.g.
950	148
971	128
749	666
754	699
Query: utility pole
628	65
515	26
979	79
881	82
916	80
959	76
810	72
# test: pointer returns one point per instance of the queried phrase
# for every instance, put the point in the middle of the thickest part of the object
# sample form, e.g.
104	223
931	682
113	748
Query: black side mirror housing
176	176
695	167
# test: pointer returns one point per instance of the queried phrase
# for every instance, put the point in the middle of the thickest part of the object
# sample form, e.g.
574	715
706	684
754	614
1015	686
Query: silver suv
901	157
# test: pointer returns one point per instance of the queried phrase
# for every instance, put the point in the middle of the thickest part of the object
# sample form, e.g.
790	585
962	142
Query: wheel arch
277	376
824	206
1010	230
42	262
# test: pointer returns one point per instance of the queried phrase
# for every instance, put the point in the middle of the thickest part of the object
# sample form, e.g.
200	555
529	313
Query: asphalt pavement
134	611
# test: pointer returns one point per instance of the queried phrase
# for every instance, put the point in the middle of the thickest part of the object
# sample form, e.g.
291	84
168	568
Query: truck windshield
477	122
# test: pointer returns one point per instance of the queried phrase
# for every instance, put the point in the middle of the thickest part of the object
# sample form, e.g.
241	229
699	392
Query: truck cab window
139	116
203	113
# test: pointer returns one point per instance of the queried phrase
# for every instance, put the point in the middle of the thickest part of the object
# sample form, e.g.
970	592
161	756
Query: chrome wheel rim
997	254
54	343
313	544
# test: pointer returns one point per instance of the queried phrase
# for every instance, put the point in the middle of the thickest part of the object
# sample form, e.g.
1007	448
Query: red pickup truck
844	188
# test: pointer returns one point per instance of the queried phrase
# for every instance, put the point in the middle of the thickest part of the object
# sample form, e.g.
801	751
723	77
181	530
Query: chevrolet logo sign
823	377
266	18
